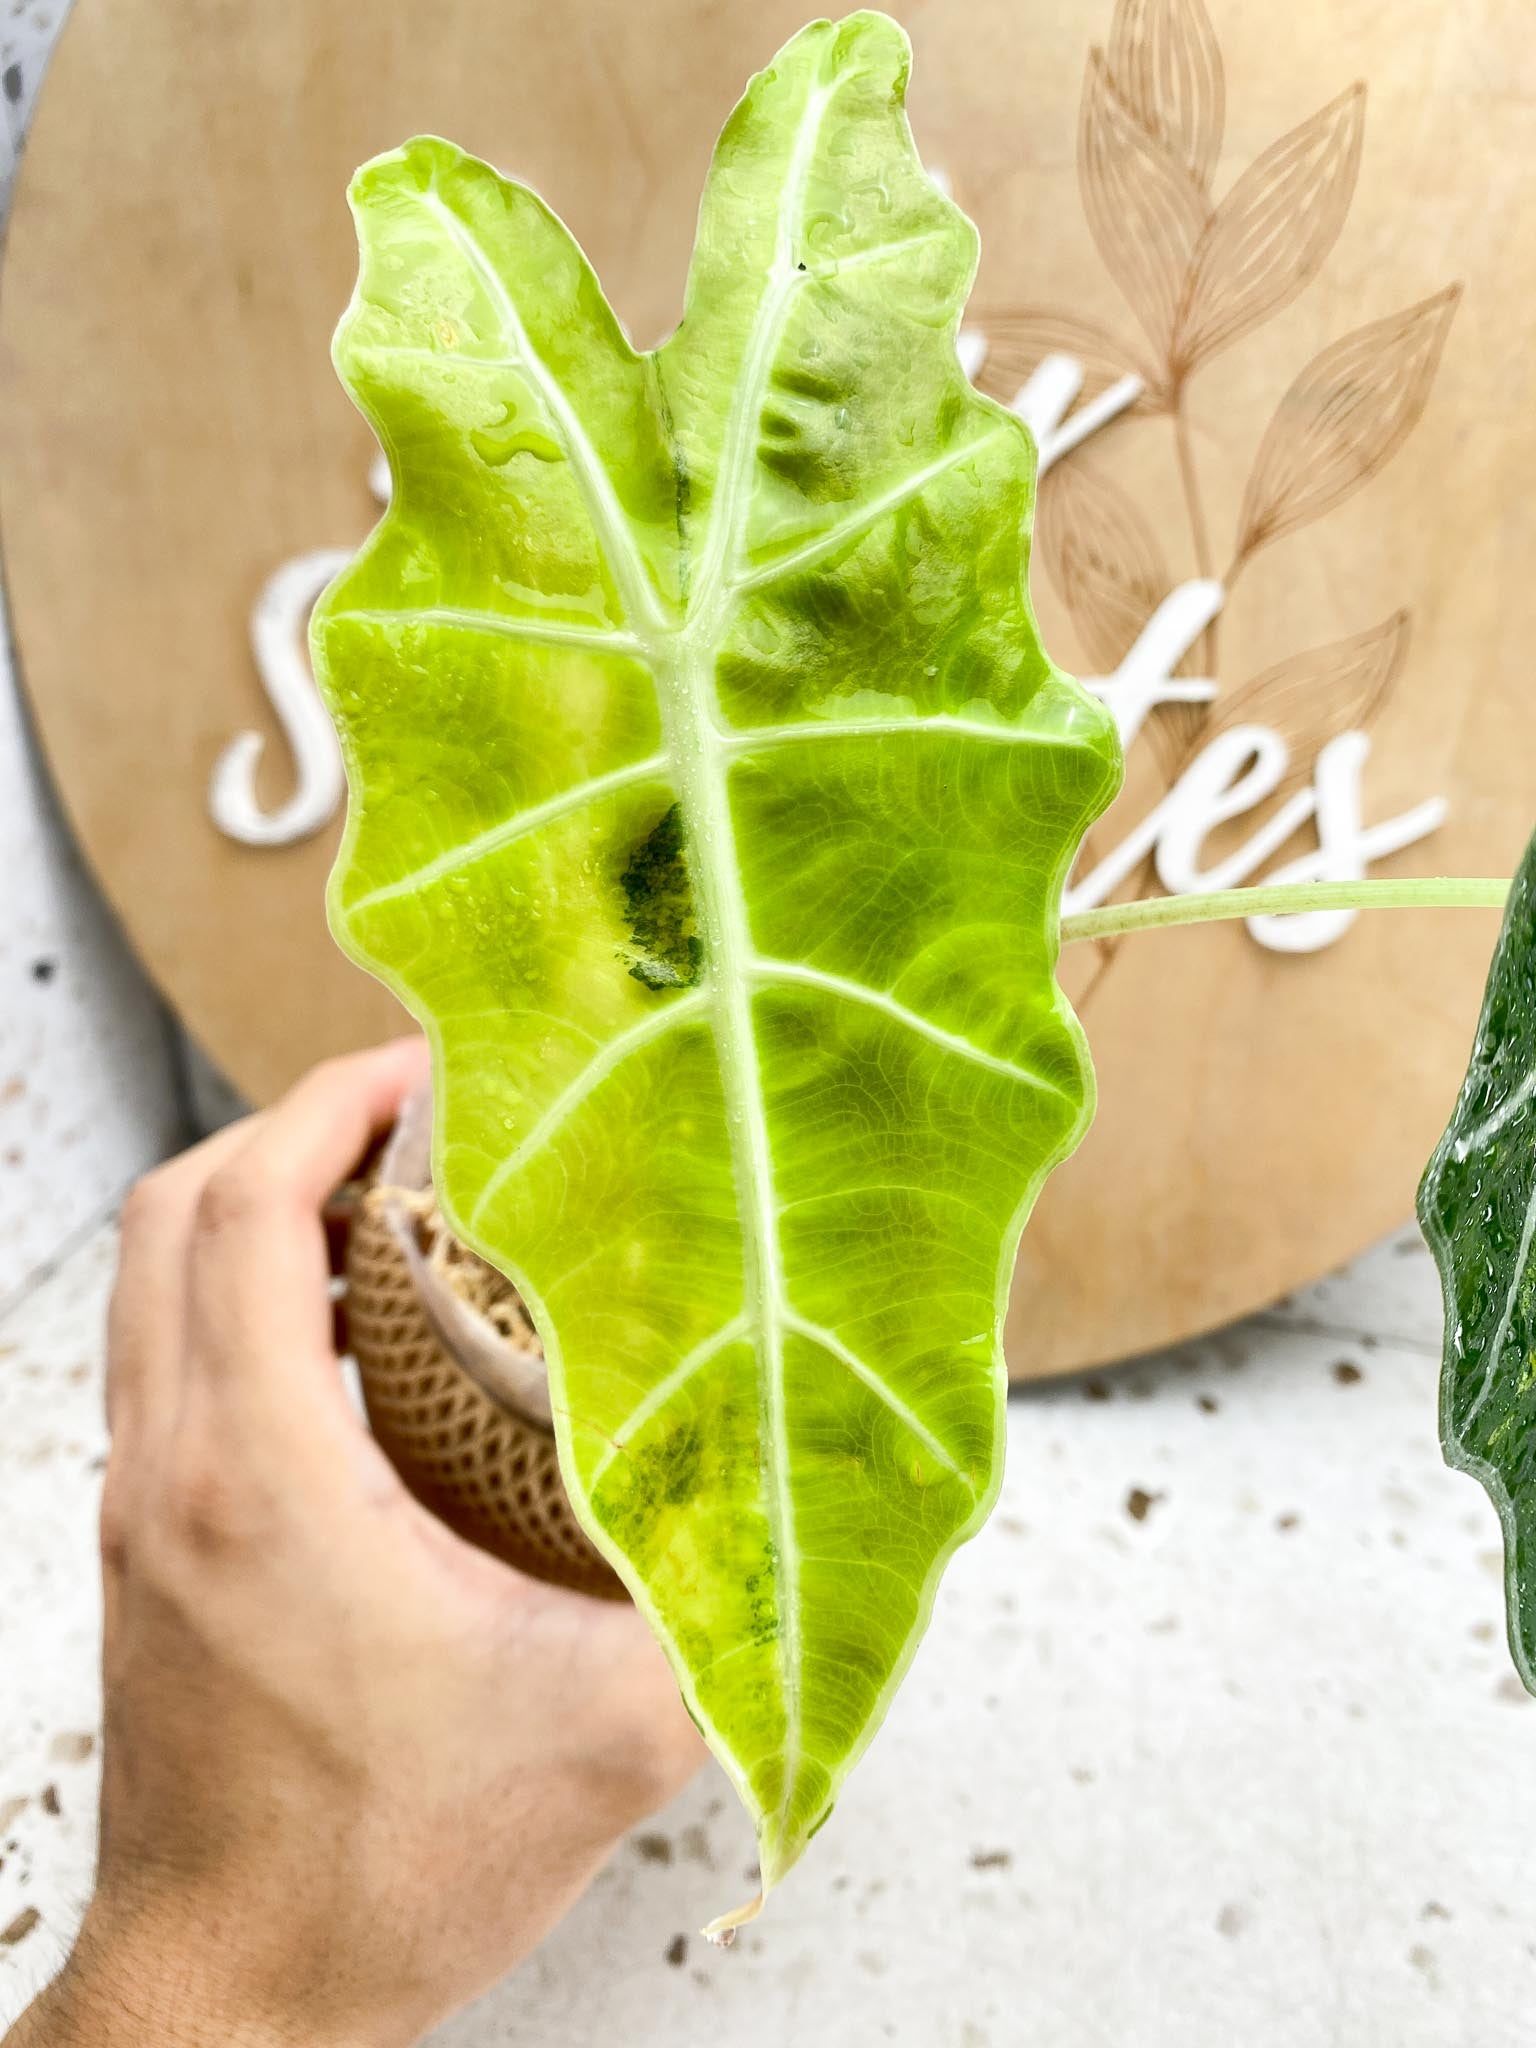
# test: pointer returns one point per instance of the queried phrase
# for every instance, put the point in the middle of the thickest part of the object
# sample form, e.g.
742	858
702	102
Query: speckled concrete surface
88	1083
1214	1739
88	1086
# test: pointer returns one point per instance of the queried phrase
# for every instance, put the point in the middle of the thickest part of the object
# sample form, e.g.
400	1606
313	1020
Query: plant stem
1426	892
1199	532
1191	482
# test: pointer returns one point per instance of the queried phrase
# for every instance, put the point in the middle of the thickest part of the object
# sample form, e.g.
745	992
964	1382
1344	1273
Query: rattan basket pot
453	1375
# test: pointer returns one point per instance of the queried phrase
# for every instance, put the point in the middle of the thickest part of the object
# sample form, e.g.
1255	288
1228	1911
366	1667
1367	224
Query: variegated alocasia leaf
711	803
1477	1207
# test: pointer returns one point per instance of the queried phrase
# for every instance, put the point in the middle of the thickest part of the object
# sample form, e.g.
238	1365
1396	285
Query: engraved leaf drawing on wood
1203	268
1272	232
1166	65
1343	419
1312	697
1018	342
1102	559
1146	210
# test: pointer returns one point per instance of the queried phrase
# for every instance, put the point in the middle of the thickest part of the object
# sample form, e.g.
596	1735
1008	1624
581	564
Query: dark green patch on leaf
658	902
667	1471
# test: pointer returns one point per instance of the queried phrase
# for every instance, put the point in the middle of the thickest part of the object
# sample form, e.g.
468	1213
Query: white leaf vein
668	1389
518	826
872	511
794	972
569	1100
816	1333
502	625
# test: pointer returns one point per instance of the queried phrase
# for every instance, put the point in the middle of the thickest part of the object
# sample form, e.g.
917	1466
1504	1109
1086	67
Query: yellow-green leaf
711	799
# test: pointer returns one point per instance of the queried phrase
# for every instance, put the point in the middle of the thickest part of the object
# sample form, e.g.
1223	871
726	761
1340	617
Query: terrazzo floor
1214	1738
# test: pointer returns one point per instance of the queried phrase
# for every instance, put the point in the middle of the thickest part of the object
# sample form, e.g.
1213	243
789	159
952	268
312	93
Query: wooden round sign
1264	305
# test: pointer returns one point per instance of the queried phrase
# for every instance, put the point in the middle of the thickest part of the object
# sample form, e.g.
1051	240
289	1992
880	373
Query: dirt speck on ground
1347	1373
677	1951
1139	1503
694	1847
1231	1921
72	1747
653	1848
20	1927
991	1859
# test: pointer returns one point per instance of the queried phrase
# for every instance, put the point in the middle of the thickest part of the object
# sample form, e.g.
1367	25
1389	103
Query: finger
259	1288
311	1141
147	1314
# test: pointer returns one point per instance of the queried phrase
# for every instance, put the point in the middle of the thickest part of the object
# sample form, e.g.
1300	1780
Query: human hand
353	1769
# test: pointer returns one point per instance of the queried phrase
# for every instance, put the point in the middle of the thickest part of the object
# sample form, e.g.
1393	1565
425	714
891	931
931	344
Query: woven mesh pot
453	1376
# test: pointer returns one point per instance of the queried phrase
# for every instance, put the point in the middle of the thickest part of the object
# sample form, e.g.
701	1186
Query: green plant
711	803
712	800
1477	1207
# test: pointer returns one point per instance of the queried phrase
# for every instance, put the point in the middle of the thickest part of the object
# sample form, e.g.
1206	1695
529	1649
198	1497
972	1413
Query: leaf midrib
682	656
691	724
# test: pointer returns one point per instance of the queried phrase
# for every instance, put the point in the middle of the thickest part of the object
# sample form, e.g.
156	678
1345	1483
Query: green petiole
1427	892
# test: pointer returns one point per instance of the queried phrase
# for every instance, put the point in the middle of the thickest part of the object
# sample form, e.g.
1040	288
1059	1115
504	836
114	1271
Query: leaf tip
877	41
1351	104
415	166
722	1930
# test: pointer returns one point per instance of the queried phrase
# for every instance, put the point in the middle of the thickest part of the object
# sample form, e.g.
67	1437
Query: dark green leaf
1477	1206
